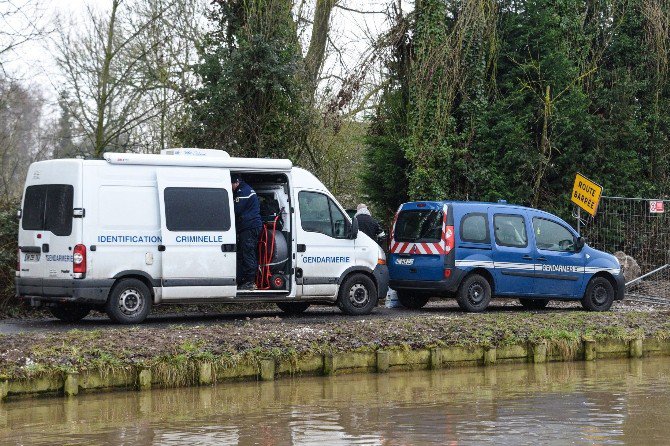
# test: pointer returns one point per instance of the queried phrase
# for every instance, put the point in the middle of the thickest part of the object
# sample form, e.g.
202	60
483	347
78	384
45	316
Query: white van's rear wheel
70	312
129	302
358	295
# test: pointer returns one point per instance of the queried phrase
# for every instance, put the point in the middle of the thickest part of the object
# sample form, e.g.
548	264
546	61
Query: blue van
473	251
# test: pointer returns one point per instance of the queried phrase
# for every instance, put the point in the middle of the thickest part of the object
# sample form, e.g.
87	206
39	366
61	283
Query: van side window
475	228
196	209
318	213
48	207
552	236
510	230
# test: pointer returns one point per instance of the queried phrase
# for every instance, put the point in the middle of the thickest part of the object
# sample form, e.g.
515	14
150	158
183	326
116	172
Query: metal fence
641	229
629	225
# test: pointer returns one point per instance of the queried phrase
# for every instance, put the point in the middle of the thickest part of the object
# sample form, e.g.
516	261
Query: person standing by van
368	225
249	224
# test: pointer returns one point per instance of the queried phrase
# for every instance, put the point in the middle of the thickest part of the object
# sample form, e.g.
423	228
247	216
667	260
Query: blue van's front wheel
599	295
474	294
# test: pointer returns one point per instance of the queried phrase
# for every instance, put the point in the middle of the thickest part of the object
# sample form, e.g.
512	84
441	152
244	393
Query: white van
133	230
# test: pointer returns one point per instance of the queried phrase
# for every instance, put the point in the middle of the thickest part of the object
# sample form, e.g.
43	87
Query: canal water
607	402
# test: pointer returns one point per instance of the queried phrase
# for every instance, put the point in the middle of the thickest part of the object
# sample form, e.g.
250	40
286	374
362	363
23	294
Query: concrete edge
202	373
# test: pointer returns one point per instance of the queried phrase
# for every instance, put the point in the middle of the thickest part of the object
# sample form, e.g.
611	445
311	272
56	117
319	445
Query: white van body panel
194	263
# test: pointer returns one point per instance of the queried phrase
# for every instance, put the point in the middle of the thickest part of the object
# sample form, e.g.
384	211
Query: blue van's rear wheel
599	295
412	302
474	294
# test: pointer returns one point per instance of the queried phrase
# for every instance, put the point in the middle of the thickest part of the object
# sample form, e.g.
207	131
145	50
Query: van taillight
448	239
79	259
18	259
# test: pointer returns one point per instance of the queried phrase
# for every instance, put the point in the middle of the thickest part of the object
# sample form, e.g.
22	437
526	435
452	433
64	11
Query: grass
173	353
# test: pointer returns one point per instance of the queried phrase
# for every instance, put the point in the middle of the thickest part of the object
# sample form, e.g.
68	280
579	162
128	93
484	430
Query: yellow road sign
586	194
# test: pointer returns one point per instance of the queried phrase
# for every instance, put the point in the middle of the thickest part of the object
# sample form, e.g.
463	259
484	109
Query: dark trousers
247	255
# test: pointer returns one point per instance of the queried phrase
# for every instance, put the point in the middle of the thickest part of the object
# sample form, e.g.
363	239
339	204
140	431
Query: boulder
631	270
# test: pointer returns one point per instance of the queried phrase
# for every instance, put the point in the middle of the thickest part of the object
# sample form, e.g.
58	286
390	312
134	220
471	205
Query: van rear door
48	227
197	233
418	245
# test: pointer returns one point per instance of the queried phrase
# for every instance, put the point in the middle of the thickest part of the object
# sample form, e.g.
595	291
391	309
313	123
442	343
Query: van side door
197	232
559	267
324	252
513	253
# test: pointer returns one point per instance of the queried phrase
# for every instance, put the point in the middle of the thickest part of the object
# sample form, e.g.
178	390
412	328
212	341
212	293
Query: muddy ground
232	337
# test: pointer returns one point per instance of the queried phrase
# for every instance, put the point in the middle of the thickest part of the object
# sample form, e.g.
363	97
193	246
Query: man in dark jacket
248	223
366	224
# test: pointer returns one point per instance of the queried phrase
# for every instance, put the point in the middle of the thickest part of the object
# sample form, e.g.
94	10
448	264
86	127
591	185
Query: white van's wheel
70	312
129	302
358	295
474	294
599	295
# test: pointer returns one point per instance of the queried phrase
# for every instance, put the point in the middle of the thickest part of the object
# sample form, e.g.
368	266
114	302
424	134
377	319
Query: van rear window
419	226
48	207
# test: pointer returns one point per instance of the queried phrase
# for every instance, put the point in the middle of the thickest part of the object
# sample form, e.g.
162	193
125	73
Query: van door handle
228	247
301	247
161	248
45	247
527	257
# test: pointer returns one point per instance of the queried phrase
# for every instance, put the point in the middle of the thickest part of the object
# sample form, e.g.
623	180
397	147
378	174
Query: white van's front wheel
358	295
129	302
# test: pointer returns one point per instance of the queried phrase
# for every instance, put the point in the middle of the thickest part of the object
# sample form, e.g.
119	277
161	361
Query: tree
252	101
107	69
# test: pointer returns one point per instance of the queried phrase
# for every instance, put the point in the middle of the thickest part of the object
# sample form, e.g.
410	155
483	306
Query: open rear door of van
197	233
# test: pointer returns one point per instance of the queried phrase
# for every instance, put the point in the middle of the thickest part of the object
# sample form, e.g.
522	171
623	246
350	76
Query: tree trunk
100	143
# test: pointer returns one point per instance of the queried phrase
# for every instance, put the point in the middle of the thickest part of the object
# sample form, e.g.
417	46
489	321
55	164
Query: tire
599	295
293	307
357	295
412	302
534	304
129	302
70	312
474	294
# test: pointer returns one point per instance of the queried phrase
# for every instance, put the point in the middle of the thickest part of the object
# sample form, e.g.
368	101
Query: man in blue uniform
248	223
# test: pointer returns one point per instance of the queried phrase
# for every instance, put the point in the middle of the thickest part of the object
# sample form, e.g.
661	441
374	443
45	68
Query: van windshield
419	226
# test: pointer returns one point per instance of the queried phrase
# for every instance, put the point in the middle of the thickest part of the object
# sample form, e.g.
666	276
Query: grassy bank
177	349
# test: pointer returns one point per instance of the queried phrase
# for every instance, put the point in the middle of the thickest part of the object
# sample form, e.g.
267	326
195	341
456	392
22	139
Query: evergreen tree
251	102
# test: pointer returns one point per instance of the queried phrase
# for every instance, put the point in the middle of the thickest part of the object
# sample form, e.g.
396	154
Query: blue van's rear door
417	245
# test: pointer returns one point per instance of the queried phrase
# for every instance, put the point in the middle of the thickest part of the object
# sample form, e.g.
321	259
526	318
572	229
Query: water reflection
609	402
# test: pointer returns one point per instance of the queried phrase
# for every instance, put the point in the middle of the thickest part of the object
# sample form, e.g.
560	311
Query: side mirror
353	230
579	244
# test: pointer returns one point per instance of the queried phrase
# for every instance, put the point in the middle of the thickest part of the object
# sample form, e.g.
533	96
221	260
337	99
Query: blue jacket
247	208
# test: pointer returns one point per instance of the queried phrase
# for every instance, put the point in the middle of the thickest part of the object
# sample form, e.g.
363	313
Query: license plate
31	257
401	261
